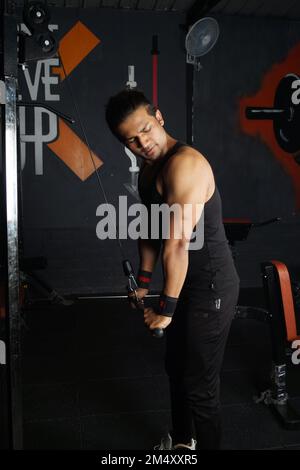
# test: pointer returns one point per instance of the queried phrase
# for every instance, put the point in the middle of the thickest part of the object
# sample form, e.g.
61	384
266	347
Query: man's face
144	134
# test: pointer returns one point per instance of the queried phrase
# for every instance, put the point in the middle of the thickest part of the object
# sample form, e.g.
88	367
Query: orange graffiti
73	152
264	129
74	47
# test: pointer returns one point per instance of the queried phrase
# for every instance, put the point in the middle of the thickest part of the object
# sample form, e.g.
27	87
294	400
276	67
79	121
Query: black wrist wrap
144	279
167	305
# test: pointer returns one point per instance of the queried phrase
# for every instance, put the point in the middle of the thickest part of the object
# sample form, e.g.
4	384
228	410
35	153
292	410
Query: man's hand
140	292
153	320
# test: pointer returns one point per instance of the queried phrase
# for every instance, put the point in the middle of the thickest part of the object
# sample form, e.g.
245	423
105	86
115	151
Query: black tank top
210	268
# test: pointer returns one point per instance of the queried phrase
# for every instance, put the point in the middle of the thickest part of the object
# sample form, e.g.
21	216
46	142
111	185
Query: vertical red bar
155	53
154	80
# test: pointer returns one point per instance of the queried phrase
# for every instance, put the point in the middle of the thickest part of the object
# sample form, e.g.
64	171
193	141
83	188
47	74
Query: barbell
285	115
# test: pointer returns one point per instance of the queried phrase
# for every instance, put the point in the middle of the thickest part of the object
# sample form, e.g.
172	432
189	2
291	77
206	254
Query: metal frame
10	181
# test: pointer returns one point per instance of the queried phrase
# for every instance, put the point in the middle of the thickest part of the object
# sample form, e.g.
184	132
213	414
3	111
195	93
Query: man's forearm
175	263
149	251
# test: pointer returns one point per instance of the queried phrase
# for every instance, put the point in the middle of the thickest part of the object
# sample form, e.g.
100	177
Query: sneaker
190	446
166	443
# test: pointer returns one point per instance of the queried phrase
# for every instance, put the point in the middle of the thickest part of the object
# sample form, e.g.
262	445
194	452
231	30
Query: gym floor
93	378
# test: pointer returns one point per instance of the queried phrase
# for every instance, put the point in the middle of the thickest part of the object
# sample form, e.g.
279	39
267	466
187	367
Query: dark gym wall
59	205
256	178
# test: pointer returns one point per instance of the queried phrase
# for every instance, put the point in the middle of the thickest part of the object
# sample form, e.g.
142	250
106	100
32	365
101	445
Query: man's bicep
187	182
187	193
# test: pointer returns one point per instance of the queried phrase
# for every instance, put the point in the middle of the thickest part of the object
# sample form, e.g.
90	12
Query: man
200	286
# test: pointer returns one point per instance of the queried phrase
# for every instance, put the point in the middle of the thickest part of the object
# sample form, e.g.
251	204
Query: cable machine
15	48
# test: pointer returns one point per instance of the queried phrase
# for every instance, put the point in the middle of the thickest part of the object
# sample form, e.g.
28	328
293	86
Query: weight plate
287	126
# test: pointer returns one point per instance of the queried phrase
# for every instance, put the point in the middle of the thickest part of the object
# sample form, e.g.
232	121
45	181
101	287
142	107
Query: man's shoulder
188	175
187	156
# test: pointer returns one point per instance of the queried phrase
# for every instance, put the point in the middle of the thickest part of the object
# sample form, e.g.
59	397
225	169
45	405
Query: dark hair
124	103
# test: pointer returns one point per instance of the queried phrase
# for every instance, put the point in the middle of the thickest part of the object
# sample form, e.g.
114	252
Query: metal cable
90	152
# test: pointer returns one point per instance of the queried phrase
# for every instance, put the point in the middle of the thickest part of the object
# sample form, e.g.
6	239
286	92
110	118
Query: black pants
196	340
